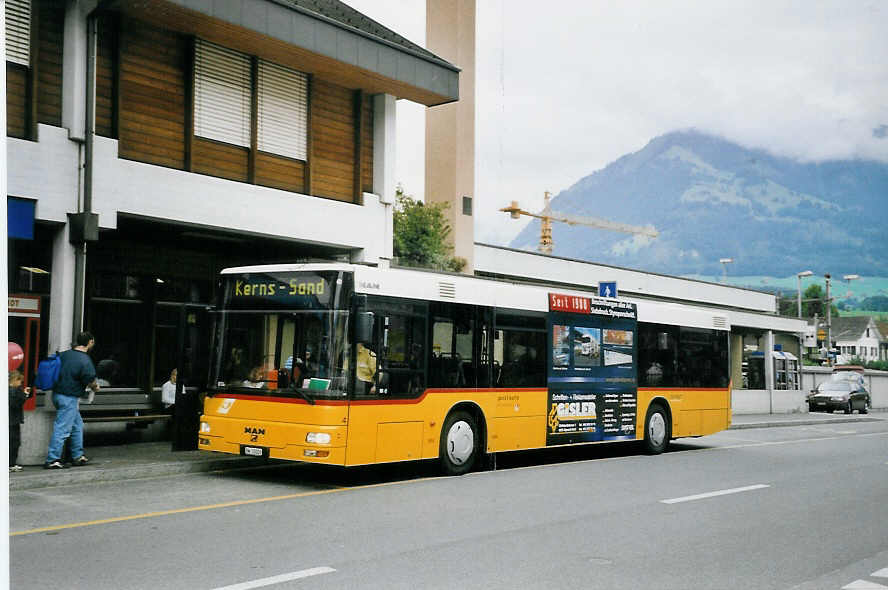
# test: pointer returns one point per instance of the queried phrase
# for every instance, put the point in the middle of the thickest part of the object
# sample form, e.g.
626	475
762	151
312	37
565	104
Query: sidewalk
153	459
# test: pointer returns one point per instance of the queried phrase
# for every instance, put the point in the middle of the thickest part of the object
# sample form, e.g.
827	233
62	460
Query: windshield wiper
301	393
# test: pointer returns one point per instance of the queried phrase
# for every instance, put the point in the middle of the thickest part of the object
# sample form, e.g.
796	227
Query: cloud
561	93
631	245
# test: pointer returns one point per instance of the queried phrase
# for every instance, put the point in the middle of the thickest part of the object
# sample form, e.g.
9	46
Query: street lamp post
725	262
804	273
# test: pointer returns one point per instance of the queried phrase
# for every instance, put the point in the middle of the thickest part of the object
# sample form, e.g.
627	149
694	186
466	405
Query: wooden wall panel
16	100
219	159
281	173
333	141
50	34
152	90
106	91
367	146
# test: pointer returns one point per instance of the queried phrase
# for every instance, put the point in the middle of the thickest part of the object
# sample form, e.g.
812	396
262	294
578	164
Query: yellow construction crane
547	216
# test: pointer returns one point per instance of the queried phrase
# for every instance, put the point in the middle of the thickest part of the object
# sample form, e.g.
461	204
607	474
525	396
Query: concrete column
384	152
769	368
61	298
450	128
737	361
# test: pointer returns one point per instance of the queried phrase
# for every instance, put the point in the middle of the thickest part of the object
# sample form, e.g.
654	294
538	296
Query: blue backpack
48	372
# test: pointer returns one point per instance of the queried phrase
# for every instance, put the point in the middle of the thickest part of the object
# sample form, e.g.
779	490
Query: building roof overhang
290	35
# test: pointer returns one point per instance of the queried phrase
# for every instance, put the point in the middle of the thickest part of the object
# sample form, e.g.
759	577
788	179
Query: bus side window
520	352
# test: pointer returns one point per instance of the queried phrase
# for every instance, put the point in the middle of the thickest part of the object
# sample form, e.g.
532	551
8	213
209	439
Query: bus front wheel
656	430
459	443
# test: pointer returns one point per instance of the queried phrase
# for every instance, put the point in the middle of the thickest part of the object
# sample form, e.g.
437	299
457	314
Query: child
17	397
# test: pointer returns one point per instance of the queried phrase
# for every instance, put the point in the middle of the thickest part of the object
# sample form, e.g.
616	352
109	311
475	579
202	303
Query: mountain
710	198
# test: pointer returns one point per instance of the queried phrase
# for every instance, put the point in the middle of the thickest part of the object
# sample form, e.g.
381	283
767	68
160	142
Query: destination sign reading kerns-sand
592	305
303	290
244	288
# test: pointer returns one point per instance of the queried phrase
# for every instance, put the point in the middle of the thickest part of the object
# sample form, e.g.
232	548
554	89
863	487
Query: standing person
76	375
168	391
17	397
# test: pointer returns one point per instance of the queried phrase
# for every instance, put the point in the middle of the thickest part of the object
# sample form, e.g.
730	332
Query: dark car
847	394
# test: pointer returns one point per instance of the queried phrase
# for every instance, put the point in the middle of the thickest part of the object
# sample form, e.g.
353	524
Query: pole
800	296
828	323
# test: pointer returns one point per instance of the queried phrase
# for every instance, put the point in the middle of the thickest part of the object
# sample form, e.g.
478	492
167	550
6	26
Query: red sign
569	303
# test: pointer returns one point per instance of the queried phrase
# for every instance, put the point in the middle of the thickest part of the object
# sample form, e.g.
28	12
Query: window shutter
221	94
18	31
283	111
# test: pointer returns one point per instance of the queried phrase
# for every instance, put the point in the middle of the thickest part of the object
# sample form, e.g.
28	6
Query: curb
809	422
89	475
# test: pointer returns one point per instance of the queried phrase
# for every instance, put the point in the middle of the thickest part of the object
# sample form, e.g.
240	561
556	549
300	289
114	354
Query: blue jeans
67	423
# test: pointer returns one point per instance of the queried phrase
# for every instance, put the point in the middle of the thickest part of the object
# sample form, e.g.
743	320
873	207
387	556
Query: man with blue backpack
77	377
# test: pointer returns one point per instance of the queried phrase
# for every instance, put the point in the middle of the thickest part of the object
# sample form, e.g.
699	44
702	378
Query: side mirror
364	327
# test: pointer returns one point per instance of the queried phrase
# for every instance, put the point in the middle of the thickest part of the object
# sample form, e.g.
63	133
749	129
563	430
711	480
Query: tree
420	234
815	303
812	302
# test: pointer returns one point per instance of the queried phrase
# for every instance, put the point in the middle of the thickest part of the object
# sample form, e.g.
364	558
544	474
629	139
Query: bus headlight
318	438
204	426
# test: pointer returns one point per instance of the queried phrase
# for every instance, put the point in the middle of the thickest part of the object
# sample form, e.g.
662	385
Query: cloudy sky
567	86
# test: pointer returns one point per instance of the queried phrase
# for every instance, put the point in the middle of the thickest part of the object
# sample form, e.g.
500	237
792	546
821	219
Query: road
800	508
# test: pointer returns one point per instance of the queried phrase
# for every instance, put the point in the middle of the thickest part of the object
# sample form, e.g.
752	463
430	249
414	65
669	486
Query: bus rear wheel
459	443
657	430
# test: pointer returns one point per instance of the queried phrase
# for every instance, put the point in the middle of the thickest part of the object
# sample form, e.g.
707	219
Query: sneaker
54	465
15	468
80	461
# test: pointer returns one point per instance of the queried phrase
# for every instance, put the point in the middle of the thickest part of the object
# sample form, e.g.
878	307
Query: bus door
24	330
385	416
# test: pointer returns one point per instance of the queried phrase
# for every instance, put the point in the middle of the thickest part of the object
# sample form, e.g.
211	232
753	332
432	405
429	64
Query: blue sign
19	218
607	289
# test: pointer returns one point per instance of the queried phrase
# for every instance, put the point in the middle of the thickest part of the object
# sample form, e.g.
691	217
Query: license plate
254	451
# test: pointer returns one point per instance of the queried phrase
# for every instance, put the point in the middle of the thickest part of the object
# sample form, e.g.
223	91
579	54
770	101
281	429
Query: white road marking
757	486
864	585
882	573
278	579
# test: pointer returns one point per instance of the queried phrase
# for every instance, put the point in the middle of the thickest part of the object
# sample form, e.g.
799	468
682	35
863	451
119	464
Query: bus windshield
283	334
302	353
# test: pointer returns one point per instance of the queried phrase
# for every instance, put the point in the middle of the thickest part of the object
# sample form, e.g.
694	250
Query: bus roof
430	285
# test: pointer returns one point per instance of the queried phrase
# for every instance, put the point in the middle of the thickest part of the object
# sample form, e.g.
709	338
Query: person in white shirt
168	391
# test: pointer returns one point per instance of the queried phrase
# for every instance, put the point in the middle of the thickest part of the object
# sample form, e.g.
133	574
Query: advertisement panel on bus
592	375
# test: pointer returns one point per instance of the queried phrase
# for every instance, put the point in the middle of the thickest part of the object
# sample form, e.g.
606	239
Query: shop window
519	351
118	354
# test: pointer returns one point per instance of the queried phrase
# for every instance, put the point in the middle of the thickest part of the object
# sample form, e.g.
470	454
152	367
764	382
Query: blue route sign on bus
607	289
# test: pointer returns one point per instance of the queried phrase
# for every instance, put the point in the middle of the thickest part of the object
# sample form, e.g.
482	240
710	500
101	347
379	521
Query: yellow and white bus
352	365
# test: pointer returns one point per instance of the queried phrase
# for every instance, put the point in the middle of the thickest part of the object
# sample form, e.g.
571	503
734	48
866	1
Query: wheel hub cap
460	442
657	429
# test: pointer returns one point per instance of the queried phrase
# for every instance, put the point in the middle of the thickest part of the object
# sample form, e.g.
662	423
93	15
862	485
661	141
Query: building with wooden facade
152	143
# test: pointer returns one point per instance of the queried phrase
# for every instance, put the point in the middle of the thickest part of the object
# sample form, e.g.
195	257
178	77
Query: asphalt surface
801	507
152	459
